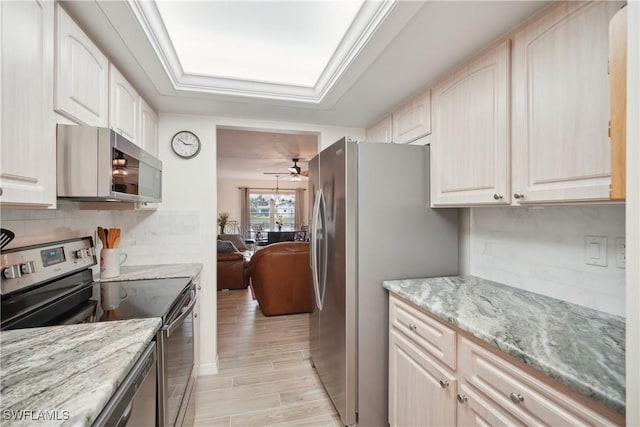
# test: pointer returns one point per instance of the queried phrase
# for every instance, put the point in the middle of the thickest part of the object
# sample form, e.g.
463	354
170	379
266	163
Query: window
266	207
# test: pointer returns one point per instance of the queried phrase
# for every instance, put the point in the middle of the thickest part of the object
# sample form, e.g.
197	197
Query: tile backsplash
542	250
148	237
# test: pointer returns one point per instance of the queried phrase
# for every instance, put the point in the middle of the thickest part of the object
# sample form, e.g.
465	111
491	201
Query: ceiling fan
295	171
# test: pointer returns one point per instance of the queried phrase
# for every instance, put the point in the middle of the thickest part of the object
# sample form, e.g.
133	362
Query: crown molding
368	20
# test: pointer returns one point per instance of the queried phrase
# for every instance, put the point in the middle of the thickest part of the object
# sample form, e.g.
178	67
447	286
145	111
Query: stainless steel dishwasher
134	402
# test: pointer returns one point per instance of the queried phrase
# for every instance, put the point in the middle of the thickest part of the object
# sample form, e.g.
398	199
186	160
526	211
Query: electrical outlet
595	250
621	252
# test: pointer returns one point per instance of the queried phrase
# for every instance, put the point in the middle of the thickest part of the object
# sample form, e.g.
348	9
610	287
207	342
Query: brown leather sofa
281	278
233	266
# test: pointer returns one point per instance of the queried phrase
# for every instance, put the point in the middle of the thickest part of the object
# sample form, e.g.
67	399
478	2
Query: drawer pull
412	326
462	398
444	383
516	398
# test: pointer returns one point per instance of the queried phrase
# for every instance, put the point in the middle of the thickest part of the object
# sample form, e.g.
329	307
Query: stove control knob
81	253
91	251
28	267
11	272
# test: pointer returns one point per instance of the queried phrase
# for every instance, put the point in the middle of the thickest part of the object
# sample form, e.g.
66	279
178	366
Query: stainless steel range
52	284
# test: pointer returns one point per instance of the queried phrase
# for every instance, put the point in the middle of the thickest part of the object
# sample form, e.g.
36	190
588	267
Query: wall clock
185	144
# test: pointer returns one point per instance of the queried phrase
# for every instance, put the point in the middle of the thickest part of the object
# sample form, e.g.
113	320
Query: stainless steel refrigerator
371	221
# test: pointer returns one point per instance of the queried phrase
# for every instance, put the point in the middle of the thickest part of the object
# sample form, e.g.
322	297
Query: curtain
245	215
299	220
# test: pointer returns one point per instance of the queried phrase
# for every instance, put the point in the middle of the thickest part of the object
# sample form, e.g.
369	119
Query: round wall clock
185	144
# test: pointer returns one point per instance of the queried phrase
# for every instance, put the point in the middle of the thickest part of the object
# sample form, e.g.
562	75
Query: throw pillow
236	239
226	247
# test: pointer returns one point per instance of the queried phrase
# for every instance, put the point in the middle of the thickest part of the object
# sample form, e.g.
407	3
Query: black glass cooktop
141	298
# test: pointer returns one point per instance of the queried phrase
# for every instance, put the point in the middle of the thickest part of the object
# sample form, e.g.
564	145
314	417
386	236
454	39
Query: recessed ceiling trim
368	19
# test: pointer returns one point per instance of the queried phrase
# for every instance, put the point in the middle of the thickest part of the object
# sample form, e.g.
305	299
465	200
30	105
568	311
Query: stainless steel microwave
98	164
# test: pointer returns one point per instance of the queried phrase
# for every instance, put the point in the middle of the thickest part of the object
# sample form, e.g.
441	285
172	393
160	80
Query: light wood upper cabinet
123	106
412	120
27	125
618	101
382	131
82	75
148	128
470	141
561	149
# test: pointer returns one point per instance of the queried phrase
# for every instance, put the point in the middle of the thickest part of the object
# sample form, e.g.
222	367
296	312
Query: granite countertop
67	372
578	346
160	271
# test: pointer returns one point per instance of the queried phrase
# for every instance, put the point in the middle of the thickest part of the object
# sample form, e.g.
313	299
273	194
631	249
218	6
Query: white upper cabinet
148	128
470	140
382	131
412	120
82	75
561	148
123	106
27	125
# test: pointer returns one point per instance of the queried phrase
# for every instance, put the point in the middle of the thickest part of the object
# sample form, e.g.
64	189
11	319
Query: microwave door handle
171	326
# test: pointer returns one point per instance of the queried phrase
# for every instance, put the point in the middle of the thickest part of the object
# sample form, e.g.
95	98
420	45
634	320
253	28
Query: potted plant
223	218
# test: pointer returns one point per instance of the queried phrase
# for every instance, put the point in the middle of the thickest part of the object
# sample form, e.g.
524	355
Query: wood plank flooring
265	377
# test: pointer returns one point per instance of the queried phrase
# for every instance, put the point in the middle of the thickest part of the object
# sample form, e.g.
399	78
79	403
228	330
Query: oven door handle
171	326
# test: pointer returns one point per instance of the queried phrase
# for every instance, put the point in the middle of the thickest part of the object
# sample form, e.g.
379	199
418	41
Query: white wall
633	215
191	185
229	196
541	249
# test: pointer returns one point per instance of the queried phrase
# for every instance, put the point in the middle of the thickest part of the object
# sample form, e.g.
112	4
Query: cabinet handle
498	196
462	398
444	383
516	398
518	195
195	314
412	326
199	287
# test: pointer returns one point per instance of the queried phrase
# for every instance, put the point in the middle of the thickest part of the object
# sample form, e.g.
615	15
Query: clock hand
185	142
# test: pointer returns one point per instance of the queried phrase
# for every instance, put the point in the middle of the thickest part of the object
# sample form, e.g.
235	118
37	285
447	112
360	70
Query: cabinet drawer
428	333
522	395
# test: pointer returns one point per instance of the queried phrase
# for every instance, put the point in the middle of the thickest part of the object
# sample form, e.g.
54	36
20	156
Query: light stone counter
69	372
578	346
160	271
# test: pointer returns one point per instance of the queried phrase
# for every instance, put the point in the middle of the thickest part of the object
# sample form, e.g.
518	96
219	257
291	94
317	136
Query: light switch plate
621	253
595	250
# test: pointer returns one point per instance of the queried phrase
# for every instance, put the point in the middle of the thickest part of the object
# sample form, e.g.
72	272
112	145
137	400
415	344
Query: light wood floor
265	377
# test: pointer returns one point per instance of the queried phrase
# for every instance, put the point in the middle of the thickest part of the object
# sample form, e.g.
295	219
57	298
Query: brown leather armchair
281	278
233	271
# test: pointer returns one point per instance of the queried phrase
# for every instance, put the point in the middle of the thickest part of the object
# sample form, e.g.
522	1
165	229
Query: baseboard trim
208	368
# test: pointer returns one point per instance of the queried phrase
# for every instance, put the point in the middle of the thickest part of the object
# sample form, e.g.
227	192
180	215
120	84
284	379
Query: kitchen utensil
102	236
5	237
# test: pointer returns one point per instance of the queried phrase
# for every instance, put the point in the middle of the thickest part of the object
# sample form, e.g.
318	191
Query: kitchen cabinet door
561	148
618	102
27	124
82	75
470	140
421	391
413	119
148	128
381	131
123	106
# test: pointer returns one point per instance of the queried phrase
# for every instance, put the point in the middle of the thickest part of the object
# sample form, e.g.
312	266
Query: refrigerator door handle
314	247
